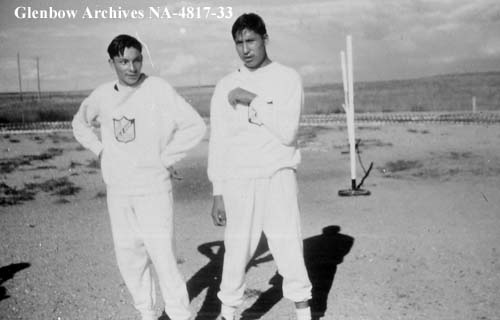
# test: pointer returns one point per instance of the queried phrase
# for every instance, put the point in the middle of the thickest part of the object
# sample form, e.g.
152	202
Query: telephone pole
38	78
19	76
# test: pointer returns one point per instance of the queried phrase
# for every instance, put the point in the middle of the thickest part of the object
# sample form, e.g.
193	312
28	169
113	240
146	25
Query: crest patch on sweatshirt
124	129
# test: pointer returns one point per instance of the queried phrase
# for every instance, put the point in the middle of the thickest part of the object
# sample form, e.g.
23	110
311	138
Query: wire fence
491	117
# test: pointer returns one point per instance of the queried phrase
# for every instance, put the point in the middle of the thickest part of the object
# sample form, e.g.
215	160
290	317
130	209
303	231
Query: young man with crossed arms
253	156
146	127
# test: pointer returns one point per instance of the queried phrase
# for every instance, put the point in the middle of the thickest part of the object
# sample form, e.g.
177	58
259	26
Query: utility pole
38	78
19	76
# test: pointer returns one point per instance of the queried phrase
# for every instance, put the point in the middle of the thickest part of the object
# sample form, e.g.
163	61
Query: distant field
53	106
439	93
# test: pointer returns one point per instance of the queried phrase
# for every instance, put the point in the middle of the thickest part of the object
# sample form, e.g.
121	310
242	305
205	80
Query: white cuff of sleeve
216	188
96	148
263	107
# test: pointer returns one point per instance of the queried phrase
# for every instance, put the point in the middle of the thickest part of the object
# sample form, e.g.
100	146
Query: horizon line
305	86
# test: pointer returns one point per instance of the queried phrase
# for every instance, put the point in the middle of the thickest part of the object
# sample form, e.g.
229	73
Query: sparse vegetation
418	131
94	164
368	143
10	196
442	166
74	164
62	201
8	165
60	186
100	194
400	165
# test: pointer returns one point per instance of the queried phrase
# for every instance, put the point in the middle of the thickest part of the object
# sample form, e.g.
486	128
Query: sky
392	39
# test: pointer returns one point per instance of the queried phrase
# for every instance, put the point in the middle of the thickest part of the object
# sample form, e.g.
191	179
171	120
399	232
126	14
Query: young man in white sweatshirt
145	128
253	156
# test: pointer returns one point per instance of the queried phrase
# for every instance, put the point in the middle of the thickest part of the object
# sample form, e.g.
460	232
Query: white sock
303	313
227	312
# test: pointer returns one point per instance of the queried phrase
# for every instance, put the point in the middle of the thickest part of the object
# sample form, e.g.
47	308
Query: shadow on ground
322	254
209	276
7	273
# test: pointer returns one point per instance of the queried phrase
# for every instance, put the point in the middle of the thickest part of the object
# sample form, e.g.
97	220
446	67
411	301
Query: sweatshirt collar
121	88
243	69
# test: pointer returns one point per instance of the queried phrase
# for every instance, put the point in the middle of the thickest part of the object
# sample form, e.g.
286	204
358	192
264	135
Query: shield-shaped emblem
124	129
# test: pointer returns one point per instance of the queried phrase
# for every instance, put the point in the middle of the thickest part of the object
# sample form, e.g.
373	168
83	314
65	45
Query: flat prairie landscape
424	245
448	93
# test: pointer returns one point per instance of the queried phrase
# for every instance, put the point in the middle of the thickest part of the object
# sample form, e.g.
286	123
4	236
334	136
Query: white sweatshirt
144	130
255	141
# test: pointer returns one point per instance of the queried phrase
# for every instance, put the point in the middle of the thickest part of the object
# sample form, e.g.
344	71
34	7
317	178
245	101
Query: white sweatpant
143	236
268	205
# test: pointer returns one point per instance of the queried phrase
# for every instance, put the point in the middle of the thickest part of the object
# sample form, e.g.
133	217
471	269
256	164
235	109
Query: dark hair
119	43
250	21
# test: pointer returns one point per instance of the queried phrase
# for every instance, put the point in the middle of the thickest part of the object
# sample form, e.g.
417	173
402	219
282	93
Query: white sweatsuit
252	159
144	130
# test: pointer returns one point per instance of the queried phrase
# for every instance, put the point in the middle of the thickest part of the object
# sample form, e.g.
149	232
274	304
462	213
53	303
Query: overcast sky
392	39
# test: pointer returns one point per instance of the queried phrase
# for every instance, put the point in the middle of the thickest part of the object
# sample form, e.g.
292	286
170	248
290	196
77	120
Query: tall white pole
348	82
344	82
350	118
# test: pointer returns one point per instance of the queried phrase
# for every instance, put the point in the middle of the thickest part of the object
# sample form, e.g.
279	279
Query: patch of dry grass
392	167
7	165
442	166
10	196
61	187
58	186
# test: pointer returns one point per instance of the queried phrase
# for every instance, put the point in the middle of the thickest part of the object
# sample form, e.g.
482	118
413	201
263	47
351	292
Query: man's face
128	66
251	48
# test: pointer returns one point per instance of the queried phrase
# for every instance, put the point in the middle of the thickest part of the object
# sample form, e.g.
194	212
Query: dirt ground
424	245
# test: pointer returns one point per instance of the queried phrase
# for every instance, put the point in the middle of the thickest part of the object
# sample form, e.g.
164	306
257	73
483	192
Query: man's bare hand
174	174
240	96
218	211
